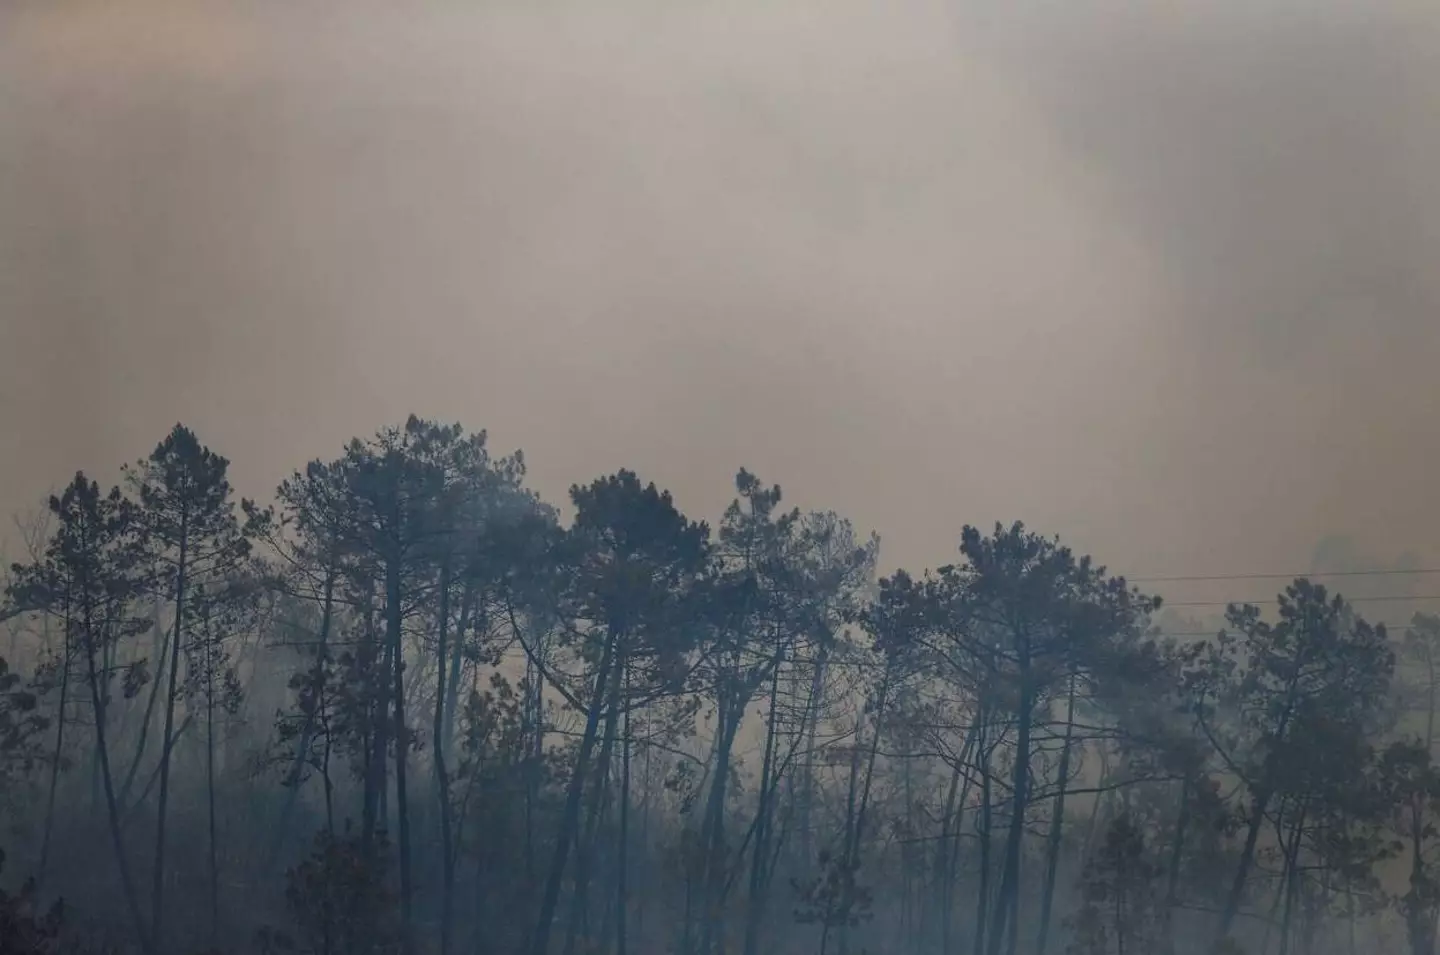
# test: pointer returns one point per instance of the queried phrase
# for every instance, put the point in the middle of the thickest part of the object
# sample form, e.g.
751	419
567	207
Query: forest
407	706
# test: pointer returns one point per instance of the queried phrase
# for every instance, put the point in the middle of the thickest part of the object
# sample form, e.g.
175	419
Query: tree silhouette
619	730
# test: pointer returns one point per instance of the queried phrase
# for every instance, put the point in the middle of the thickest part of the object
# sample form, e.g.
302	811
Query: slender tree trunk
65	664
810	729
852	798
1177	855
858	810
1272	915
162	647
451	678
387	778
1122	929
622	865
857	831
1352	947
585	851
127	816
1259	804
730	713
157	897
325	779
1008	901
646	880
378	705
210	784
939	921
687	921
755	900
1420	915
1314	915
307	733
442	776
107	666
1291	881
982	901
946	854
1057	824
1420	911
535	707
540	938
127	884
482	931
1092	825
395	637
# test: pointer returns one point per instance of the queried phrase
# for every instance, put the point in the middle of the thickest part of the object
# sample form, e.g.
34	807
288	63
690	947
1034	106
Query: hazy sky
1161	277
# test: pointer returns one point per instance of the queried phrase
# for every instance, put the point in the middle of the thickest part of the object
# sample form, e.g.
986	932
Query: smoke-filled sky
1162	278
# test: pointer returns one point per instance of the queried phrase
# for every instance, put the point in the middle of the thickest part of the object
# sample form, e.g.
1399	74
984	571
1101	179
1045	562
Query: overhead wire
1391	598
1178	578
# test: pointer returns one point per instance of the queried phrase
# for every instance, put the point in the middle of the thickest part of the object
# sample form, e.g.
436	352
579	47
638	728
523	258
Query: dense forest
408	706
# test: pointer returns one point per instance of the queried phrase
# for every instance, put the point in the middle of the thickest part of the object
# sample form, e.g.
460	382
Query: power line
1349	600
1331	573
1211	632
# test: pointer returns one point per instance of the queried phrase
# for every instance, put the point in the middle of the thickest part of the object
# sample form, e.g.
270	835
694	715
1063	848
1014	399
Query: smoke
1155	279
1279	156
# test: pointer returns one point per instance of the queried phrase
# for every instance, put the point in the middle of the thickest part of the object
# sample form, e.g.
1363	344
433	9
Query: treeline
406	708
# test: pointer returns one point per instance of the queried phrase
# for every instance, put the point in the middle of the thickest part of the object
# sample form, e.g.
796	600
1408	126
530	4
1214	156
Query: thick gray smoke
1159	278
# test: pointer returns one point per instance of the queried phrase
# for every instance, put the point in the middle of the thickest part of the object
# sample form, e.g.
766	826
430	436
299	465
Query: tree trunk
307	734
1420	912
535	708
442	776
1259	804
127	884
482	931
1420	915
1177	855
1007	902
65	664
982	902
540	938
378	705
127	816
457	662
946	851
622	864
162	647
857	831
730	714
1057	824
755	901
1352	948
395	637
1092	825
1291	881
810	729
325	779
856	823
585	851
210	784
939	921
157	898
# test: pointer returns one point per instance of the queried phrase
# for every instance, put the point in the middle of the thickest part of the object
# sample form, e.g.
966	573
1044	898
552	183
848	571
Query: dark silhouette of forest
410	707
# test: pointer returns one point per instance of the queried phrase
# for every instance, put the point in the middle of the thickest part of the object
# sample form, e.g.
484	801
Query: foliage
1120	907
834	898
338	899
23	929
625	730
